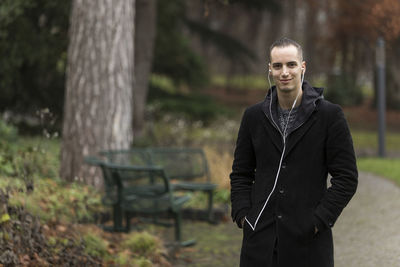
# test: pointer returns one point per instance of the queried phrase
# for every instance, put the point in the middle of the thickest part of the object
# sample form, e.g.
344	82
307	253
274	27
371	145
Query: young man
285	149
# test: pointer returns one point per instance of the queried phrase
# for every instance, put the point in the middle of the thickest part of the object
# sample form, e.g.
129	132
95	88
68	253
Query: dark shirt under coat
318	143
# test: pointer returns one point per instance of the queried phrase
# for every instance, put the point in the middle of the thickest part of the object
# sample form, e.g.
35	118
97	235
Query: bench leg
117	218
178	225
210	205
128	222
178	231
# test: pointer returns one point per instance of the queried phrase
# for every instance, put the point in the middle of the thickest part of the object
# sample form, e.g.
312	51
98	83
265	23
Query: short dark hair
284	42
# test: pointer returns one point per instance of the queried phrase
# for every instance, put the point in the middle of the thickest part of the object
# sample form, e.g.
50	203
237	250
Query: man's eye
292	65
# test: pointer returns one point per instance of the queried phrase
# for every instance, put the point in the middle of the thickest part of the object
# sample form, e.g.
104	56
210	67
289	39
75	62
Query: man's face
286	68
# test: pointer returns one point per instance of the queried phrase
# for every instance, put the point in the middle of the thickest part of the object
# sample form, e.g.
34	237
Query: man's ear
303	67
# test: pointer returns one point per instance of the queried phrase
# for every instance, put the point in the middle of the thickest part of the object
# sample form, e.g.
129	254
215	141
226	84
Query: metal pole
381	101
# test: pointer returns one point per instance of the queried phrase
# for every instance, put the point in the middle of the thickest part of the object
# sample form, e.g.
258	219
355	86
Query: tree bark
98	101
145	31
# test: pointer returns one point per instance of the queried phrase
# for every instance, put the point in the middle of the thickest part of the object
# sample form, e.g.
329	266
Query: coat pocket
302	228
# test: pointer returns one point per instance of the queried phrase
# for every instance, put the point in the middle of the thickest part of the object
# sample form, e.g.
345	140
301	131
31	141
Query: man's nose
284	71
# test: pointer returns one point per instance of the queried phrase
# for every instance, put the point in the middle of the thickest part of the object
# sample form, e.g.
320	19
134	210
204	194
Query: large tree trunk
98	102
145	31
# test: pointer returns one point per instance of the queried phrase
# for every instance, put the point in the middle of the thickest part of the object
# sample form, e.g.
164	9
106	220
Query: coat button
281	191
284	165
279	216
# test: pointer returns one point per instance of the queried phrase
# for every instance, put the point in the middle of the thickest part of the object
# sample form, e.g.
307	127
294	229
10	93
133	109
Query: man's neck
286	99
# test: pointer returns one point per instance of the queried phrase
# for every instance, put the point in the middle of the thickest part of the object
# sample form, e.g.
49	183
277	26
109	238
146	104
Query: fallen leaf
61	228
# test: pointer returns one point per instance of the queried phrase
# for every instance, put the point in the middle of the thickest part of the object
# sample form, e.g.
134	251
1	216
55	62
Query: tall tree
98	100
145	32
386	20
354	28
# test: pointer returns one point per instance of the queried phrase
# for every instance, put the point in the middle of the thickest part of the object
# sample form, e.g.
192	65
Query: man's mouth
285	81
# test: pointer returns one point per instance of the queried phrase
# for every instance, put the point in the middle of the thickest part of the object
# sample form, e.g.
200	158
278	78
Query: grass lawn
386	167
389	168
369	139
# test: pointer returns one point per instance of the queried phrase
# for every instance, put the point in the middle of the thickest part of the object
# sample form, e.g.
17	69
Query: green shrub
222	196
142	244
8	133
192	106
142	262
123	258
95	246
55	201
199	200
29	158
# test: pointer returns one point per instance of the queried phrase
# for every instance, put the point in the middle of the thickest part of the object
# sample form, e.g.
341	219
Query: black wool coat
318	144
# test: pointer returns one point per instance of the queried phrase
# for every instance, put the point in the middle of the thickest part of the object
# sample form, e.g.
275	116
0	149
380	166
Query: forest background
78	77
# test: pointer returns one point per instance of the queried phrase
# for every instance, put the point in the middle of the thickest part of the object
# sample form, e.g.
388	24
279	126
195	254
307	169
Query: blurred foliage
173	130
29	158
54	201
142	249
343	90
198	199
232	48
8	133
33	45
173	56
272	5
29	168
143	244
192	106
95	246
243	82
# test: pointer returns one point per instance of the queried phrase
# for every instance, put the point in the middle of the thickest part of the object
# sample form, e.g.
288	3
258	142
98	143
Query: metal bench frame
123	194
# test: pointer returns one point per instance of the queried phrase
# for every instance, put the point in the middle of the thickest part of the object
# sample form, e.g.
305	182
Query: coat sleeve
243	170
341	163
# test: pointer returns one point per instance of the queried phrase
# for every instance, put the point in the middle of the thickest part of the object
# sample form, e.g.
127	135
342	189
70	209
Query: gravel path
367	234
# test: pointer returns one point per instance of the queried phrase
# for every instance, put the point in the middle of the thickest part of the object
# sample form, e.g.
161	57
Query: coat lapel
274	135
296	136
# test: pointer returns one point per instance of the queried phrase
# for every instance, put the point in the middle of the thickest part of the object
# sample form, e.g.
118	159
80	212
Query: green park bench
141	190
187	168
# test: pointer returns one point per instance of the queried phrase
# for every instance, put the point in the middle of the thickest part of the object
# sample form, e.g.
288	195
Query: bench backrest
144	189
178	163
128	157
181	163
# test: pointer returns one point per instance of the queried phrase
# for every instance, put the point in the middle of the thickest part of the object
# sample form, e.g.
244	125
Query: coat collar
308	104
311	95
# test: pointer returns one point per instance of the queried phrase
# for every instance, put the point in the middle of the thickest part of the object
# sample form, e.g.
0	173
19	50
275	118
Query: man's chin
285	88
